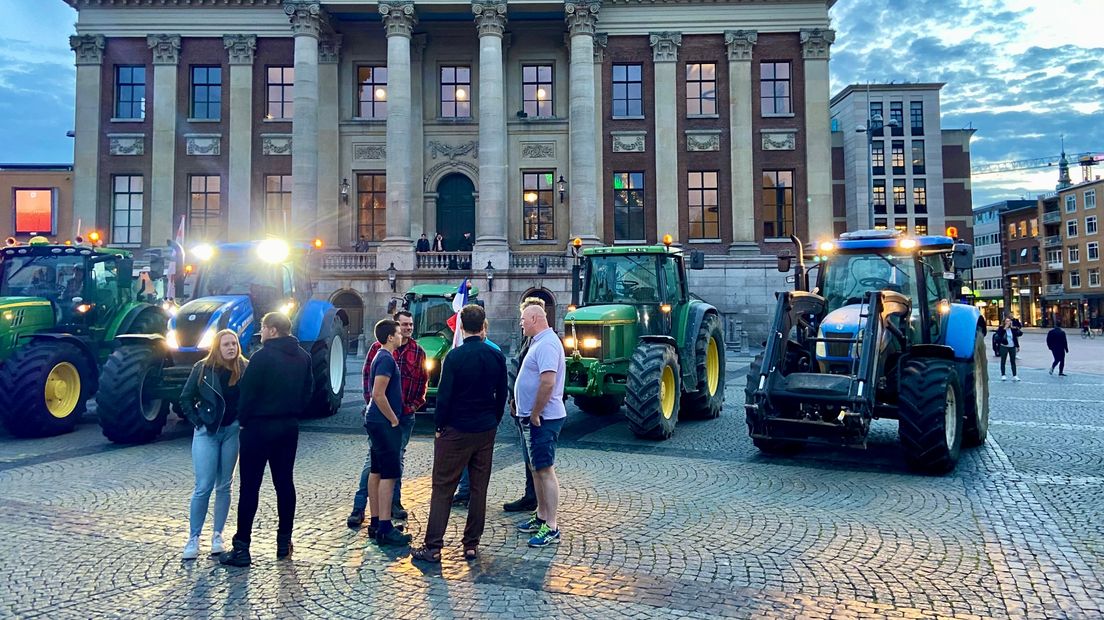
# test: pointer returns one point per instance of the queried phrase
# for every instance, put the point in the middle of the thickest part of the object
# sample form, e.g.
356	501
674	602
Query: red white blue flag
458	302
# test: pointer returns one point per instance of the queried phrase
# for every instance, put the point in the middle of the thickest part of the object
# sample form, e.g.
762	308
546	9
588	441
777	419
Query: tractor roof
58	249
889	239
631	249
241	247
439	290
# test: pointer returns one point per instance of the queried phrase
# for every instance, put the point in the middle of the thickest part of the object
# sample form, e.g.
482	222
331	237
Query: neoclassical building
526	123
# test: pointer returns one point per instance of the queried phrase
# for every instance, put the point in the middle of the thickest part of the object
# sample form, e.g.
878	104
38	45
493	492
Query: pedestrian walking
1006	343
471	399
209	401
540	414
381	420
1059	346
275	391
411	360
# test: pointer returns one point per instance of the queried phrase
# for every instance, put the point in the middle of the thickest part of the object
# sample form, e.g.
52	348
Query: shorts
385	446
539	442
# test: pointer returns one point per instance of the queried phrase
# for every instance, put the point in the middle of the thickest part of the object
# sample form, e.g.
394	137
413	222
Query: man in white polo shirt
540	411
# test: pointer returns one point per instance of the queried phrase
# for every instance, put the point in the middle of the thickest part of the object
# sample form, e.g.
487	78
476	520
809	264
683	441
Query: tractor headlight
591	343
287	308
208	339
429	364
569	343
273	251
203	252
172	339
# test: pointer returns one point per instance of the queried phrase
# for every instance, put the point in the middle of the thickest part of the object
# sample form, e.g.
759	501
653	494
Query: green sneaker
545	536
530	525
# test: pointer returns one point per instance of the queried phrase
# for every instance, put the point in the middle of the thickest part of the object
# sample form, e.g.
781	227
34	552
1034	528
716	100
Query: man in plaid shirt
414	378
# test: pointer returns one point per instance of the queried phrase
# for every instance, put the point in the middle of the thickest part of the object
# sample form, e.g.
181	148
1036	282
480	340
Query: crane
1085	160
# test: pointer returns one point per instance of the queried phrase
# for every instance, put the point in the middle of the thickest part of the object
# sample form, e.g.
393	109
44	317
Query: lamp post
344	189
392	276
576	269
561	185
873	124
489	270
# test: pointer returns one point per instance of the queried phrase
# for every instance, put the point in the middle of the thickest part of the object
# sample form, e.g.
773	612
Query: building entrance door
455	209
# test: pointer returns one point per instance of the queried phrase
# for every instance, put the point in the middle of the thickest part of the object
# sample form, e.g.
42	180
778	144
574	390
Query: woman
1006	343
439	248
209	401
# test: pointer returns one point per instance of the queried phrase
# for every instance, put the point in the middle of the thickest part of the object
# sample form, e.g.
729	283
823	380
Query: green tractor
640	338
61	308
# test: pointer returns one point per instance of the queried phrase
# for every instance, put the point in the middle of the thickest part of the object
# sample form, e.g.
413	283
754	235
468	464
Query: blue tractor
237	284
873	330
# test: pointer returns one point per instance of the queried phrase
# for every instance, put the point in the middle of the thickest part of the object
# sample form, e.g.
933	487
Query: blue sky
1020	72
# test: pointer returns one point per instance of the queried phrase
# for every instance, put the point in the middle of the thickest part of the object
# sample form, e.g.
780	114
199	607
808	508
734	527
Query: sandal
471	554
426	554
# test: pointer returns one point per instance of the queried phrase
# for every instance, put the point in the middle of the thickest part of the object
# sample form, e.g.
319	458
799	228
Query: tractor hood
20	316
435	347
841	323
611	313
210	314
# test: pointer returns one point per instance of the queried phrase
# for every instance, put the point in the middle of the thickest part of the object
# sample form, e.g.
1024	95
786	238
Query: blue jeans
214	457
360	500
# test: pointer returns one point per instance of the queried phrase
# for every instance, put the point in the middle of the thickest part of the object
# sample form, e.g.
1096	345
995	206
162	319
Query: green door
455	209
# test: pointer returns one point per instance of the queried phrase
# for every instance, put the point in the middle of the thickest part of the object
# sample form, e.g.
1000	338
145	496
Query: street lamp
344	189
392	276
873	124
561	185
489	270
576	269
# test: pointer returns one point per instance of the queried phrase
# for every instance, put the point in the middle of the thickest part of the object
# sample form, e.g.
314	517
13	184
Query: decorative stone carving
126	144
418	44
779	140
202	143
329	49
703	140
399	17
240	47
601	41
276	144
305	17
740	43
665	46
369	151
166	48
582	17
538	150
436	148
452	166
490	18
628	141
88	47
815	42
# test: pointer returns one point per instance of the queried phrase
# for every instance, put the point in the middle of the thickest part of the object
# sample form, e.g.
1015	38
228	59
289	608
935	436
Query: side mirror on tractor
963	256
784	263
697	260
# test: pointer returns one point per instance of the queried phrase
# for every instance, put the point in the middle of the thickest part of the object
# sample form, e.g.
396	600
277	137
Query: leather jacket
201	400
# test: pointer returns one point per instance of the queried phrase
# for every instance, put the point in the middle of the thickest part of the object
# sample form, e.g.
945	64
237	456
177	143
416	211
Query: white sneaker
1004	378
191	550
1052	371
1015	378
216	544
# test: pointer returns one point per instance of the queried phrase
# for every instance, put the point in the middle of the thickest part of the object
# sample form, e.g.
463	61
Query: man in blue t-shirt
381	420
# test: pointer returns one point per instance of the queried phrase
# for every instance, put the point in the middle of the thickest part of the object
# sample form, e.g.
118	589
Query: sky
1023	73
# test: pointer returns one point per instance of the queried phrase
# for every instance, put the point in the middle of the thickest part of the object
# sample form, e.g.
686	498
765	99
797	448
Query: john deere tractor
237	284
875	334
61	309
638	337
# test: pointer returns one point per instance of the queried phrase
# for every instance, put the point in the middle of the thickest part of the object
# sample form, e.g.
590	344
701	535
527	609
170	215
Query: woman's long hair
214	357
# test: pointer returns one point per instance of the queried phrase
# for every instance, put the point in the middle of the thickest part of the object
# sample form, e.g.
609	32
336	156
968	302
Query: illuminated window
920	195
899	204
372	92
879	196
898	157
628	206
372	206
536	90
921	226
280	93
34	211
701	89
455	92
877	156
704	216
537	205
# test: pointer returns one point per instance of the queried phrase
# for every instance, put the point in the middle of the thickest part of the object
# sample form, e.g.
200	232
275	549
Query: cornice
85	4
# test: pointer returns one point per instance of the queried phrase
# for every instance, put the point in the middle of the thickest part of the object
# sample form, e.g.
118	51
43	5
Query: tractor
878	335
639	338
236	285
61	308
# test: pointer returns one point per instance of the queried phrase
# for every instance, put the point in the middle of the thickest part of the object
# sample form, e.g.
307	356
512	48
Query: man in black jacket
1059	346
275	390
471	399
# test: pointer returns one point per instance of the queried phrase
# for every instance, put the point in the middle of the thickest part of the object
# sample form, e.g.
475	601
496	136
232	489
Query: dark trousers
1059	361
452	452
1006	353
273	442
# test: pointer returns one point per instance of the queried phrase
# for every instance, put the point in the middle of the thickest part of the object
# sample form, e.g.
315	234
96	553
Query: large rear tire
328	366
931	415
44	388
599	405
975	428
652	392
151	321
767	446
128	412
707	399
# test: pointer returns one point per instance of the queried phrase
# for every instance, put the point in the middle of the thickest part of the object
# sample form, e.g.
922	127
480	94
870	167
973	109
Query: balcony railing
1052	241
1052	217
1054	289
532	261
1054	266
334	262
443	261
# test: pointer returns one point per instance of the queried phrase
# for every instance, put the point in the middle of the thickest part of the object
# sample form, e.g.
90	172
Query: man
470	401
423	244
467	244
275	390
411	360
1059	346
527	502
381	420
463	491
540	411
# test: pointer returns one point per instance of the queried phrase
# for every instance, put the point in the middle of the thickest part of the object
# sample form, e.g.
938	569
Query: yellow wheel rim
667	392
712	367
63	388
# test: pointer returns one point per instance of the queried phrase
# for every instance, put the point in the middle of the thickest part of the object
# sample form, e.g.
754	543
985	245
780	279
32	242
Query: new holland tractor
61	308
639	338
877	335
237	284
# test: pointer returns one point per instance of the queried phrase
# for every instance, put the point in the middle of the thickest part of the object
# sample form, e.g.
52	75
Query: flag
458	302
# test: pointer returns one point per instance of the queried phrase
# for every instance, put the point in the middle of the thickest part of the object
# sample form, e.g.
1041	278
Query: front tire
129	413
652	392
328	366
44	389
707	399
766	446
975	428
931	415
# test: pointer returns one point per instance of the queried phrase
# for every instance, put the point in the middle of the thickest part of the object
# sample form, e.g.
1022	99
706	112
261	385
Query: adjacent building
37	199
1023	255
987	279
1072	247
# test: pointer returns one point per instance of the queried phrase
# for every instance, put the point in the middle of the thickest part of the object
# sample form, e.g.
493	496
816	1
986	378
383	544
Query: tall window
1074	253
1034	227
774	84
916	117
628	91
1022	226
1071	203
1071	229
777	211
703	201
899	204
879	223
701	89
1094	277
34	210
205	208
880	196
1012	231
1090	225
1092	250
628	206
537	211
1090	199
898	156
918	157
1075	279
207	93
536	90
281	95
877	157
126	210
876	112
921	226
277	203
920	195
455	92
372	206
897	113
372	92
130	91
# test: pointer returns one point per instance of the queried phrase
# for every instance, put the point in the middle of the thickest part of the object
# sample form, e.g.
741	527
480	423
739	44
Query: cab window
673	292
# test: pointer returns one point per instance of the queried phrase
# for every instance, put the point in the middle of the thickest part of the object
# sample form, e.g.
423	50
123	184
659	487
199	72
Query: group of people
424	245
1006	344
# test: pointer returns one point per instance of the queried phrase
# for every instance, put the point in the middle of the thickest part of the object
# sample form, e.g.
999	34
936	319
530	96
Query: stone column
818	138
86	157
741	144
398	20
161	184
306	27
240	48
601	41
582	16
329	173
419	222
490	221
665	60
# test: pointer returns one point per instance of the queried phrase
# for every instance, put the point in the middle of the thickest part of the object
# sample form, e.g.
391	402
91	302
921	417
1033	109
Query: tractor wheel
975	385
44	388
328	365
599	405
931	415
767	446
705	402
152	321
652	393
128	412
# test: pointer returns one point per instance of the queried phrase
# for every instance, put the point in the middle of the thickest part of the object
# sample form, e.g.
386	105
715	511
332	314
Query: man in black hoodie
275	391
1059	346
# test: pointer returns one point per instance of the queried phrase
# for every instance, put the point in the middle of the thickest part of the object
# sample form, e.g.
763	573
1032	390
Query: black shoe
398	512
238	557
373	530
284	549
461	501
356	517
394	538
525	504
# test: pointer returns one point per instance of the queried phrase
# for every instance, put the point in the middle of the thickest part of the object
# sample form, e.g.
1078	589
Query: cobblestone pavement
700	526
